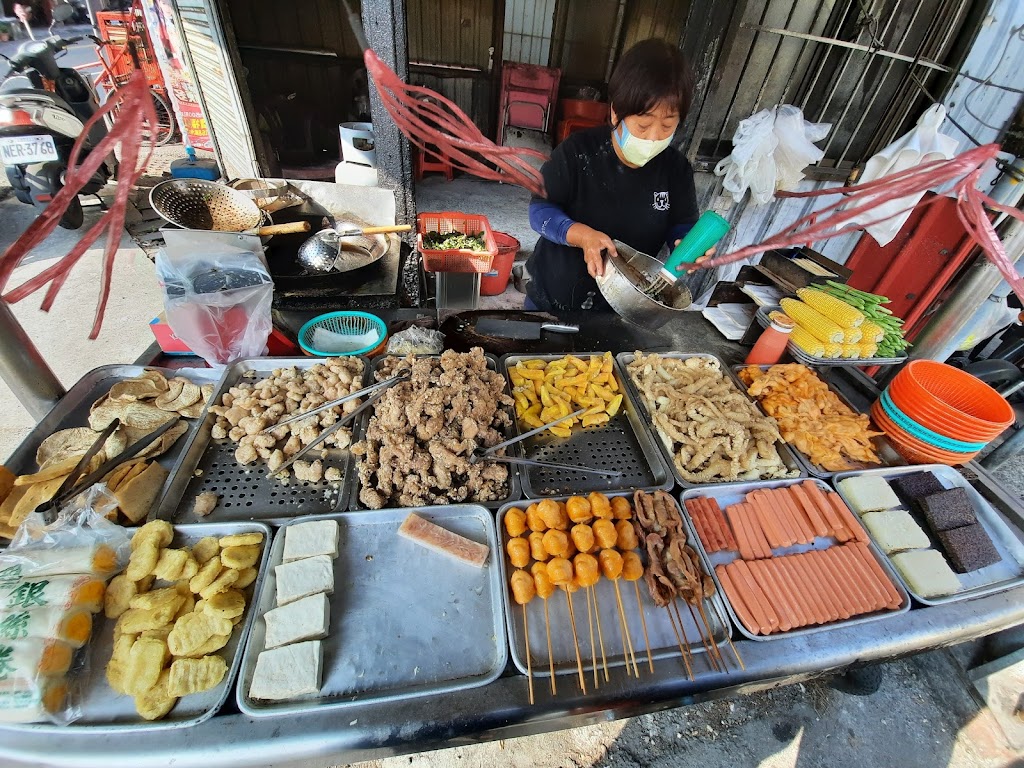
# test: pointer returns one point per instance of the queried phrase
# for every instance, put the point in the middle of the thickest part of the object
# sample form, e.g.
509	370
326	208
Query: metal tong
488	453
341	400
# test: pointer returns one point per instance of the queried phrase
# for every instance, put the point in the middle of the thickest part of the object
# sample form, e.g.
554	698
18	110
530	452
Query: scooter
43	110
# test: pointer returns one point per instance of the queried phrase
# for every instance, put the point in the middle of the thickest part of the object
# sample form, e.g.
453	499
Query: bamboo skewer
529	664
711	636
600	637
593	645
712	660
576	642
728	636
551	657
643	623
682	649
627	639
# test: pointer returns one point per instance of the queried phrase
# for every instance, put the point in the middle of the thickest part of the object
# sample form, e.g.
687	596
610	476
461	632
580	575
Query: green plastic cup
709	229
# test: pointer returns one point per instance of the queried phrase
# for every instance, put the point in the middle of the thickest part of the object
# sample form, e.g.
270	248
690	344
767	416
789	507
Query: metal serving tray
514	487
825	362
245	492
664	644
623	359
106	711
623	445
993	578
73	411
727	495
888	455
405	621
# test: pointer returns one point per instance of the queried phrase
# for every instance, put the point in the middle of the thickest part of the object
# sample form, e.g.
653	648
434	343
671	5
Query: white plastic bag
217	294
770	151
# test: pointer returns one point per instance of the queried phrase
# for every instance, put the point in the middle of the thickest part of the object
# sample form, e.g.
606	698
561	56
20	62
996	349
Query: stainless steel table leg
23	368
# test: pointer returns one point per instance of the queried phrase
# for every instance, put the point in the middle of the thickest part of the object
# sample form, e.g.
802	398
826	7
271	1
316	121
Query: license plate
21	150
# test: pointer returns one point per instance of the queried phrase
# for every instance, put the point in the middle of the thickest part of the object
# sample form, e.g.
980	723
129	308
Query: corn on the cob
868	349
850	351
807	342
836	310
833	351
871	333
812	321
851	335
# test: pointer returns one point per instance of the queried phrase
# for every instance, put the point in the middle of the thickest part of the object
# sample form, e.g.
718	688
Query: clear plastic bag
416	341
52	582
795	150
217	294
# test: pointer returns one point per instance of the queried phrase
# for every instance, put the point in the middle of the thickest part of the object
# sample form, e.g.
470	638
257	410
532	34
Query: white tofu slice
288	672
301	578
305	619
317	537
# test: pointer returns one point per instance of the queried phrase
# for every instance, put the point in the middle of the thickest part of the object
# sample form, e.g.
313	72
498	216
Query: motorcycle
43	110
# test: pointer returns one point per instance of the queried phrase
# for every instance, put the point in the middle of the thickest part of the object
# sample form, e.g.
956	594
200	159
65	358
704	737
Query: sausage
818	523
549	513
533	519
784	498
541	583
852	601
760	541
723	526
736	597
821	504
537	551
753	596
822	605
578	509
626	539
587	570
707	511
771	527
795	609
515	522
826	577
765	579
781	510
621	508
700	525
611	563
796	591
790	535
605	533
599	505
518	552
867	578
583	537
853	525
869	559
862	598
812	566
632	567
735	515
559	571
522	587
556	543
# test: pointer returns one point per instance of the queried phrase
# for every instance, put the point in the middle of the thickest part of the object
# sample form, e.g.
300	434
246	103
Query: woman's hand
694	266
593	243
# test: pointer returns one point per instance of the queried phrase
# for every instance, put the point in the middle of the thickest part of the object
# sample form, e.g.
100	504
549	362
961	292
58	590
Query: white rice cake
317	537
301	578
868	493
895	531
305	619
926	572
288	672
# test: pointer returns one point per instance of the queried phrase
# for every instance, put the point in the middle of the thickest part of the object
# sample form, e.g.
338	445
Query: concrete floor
924	714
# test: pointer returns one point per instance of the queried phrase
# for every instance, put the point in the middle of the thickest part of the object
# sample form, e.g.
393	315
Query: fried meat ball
537	551
599	505
605	533
523	590
632	568
611	563
515	522
578	509
518	552
556	543
582	537
621	508
626	539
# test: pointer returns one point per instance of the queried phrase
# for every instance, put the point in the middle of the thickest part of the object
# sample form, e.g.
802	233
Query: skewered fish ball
523	590
549	512
515	522
587	570
583	537
518	552
556	543
571	587
536	542
559	571
626	539
632	568
605	533
611	563
578	509
563	517
541	583
534	521
599	505
621	509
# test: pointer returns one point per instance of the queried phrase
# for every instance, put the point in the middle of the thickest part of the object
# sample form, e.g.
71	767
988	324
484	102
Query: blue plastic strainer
339	334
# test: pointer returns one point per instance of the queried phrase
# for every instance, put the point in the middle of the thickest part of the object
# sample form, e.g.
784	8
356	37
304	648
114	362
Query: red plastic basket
458	260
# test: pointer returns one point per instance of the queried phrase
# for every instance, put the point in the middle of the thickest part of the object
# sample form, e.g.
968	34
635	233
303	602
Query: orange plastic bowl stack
912	449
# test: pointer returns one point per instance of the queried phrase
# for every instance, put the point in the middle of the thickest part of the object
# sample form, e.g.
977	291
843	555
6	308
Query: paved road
77	55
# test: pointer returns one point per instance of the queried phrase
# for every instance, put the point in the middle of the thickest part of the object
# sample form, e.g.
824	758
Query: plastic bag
771	148
52	581
416	341
217	294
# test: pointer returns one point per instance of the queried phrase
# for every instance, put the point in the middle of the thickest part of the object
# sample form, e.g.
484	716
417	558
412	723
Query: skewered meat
578	509
518	552
621	510
515	522
582	537
605	533
537	551
523	589
587	570
541	583
600	506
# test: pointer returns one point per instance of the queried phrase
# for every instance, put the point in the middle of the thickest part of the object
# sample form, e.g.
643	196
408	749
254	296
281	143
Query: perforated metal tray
886	453
245	492
353	485
623	359
623	445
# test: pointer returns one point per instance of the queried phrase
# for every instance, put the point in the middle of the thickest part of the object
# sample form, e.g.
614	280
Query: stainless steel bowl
625	278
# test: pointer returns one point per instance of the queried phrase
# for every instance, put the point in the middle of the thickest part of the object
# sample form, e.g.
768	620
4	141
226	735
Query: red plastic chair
428	162
528	93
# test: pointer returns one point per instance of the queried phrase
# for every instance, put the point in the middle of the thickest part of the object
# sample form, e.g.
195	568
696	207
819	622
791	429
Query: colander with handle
205	205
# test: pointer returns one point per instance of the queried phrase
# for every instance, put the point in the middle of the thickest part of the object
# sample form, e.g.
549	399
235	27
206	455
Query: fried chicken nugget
195	675
241	539
226	579
143	560
210	570
241	556
156	702
246	576
226	604
158	532
119	593
145	663
194	630
204	549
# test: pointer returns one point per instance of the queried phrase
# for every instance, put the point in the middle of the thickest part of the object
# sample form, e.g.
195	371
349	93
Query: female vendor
619	183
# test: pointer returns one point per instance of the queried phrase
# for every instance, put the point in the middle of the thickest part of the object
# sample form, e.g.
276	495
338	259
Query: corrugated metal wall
455	32
216	78
527	33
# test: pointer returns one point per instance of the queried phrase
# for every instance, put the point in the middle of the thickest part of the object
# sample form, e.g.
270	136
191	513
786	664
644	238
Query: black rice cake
947	510
969	548
915	486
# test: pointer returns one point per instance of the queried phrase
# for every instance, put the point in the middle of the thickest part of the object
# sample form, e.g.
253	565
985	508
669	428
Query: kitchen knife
519	329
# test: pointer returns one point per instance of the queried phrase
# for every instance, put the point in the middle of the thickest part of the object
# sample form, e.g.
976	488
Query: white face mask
638	152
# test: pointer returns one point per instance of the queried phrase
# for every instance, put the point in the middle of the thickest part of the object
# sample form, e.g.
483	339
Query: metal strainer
199	204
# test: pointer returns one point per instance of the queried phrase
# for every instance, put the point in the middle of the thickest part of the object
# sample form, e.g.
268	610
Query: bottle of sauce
772	342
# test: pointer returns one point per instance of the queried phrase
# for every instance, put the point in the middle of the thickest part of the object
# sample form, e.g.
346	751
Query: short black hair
651	72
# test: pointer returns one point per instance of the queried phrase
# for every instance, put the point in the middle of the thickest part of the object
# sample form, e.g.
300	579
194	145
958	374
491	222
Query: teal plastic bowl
363	331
